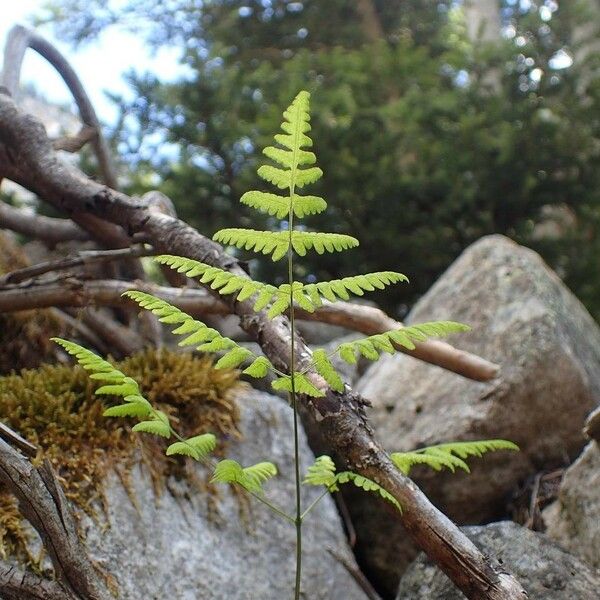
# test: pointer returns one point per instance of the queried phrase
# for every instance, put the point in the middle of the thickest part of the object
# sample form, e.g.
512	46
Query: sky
113	55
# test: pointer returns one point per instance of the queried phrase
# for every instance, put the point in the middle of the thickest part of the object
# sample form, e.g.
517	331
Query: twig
18	40
77	292
82	258
47	229
13	438
356	574
43	503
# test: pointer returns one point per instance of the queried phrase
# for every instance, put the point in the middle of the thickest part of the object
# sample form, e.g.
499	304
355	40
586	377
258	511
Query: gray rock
173	548
546	571
548	347
574	519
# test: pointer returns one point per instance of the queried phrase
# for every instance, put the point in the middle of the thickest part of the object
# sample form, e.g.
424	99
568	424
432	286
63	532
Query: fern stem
314	503
294	400
270	505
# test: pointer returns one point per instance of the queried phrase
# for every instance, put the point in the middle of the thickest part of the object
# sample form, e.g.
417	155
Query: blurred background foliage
433	126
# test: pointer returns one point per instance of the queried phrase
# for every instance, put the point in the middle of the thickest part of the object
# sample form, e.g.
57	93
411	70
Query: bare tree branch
24	585
28	158
43	503
84	257
18	40
47	229
72	291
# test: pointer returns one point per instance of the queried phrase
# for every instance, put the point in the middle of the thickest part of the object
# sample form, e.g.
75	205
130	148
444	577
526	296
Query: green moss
54	408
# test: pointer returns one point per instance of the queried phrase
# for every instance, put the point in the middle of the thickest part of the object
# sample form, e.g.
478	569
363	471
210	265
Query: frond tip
450	456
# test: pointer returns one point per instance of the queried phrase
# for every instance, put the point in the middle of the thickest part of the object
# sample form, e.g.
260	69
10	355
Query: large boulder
544	569
176	546
548	348
574	519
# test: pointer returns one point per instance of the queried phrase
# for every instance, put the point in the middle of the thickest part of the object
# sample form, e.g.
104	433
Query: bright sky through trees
100	64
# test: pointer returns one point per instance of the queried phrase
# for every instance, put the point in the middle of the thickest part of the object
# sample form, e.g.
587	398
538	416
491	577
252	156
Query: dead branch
16	584
19	39
85	257
43	503
47	229
27	157
369	320
76	142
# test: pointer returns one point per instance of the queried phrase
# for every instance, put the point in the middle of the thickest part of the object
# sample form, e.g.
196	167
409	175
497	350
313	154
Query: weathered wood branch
75	292
47	229
19	39
85	257
27	157
16	584
43	503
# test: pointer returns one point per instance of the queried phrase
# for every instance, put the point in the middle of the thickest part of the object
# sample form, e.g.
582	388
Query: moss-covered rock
54	408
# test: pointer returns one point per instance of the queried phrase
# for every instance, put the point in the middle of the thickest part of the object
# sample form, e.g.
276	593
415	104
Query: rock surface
574	519
173	548
548	348
546	571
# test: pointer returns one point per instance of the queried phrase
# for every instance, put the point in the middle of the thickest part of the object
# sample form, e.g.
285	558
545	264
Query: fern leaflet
322	472
198	447
302	385
324	368
279	206
206	339
371	346
251	478
450	455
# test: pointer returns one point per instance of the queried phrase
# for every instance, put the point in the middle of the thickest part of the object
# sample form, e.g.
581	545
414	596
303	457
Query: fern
119	384
250	478
324	368
371	347
450	456
206	339
322	472
302	385
280	206
198	447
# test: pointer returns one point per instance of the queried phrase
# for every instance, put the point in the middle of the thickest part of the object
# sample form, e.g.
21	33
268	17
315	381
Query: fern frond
302	385
100	368
358	285
368	485
450	455
279	206
206	339
218	279
157	425
324	368
251	478
321	472
259	368
198	447
302	241
275	243
370	347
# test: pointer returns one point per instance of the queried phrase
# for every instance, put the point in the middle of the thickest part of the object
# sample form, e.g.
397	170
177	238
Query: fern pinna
293	169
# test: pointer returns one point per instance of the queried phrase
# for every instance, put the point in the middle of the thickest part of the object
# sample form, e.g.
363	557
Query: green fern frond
206	339
324	368
251	478
321	472
260	367
368	485
219	279
302	385
100	368
450	455
277	243
279	206
370	347
358	285
198	447
157	425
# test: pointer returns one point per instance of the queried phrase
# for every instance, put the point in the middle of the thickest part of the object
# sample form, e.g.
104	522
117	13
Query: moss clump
54	408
